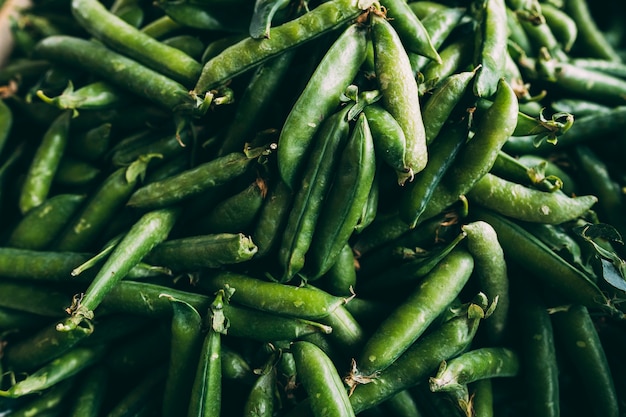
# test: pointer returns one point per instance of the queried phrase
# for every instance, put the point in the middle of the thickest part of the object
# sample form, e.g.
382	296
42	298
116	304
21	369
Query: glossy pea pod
272	217
195	180
49	402
491	46
529	204
264	13
490	270
186	341
249	52
341	278
593	39
343	204
318	101
399	90
44	164
321	380
389	140
410	319
261	400
128	40
304	213
148	231
274	297
97	95
117	69
455	57
202	251
590	84
51	216
579	340
562	25
565	281
410	28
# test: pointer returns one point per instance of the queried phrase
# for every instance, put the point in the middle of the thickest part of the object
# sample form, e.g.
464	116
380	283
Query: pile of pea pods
313	208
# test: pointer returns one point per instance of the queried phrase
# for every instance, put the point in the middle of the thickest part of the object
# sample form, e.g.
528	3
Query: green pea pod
274	297
303	216
237	212
411	318
261	21
50	216
348	194
589	83
490	270
161	27
57	370
196	16
576	331
491	41
389	140
138	401
206	394
473	365
42	300
410	28
318	101
73	172
249	52
44	164
88	399
196	180
202	251
562	25
513	169
368	214
590	37
91	144
97	95
148	231
341	278
261	401
556	274
6	123
272	218
419	192
117	69
419	361
443	100
321	381
186	341
399	90
50	402
131	42
529	204
455	57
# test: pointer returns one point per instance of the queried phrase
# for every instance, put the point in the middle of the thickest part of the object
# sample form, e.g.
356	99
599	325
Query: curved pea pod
491	41
473	365
261	401
590	36
202	251
455	57
274	297
562	25
553	273
55	371
50	216
304	213
196	180
44	164
249	52
513	169
389	140
318	101
419	361
411	318
341	278
443	100
272	217
186	341
204	17
414	35
343	205
399	90
97	95
206	394
529	204
490	270
575	330
321	381
419	192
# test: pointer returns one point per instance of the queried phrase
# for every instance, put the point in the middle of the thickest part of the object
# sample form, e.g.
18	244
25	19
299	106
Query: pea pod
275	297
89	398
249	52
492	46
261	401
45	163
321	381
304	213
529	205
97	95
410	319
349	192
264	12
6	122
399	90
589	34
318	101
272	218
